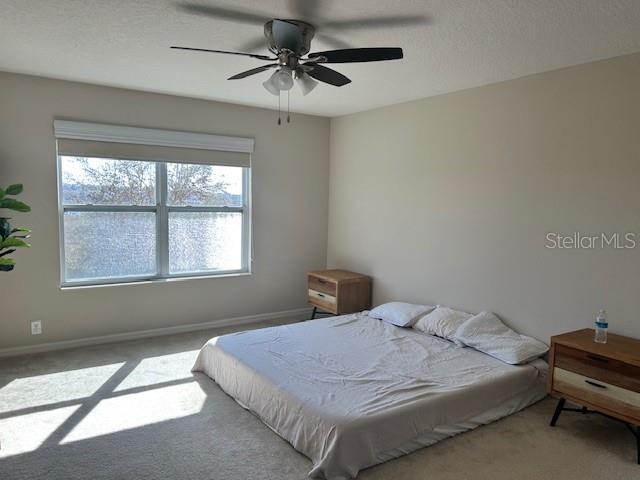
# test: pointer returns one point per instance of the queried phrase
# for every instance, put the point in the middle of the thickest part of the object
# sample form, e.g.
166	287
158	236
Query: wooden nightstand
338	291
602	378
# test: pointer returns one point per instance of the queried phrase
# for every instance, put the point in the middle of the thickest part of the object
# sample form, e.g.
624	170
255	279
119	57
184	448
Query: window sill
81	286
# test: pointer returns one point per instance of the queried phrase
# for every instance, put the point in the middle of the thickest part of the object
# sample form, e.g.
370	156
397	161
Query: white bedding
352	391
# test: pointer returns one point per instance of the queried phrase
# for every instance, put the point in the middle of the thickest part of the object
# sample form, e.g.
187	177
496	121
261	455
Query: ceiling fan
289	42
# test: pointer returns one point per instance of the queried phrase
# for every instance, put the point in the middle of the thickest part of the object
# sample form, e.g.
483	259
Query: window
124	220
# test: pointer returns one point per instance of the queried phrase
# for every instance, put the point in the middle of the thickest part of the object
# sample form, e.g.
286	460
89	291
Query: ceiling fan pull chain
288	109
279	121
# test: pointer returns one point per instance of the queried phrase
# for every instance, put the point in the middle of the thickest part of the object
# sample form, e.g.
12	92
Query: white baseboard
298	314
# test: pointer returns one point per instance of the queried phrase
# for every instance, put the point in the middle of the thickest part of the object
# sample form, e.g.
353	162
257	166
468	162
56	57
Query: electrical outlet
36	327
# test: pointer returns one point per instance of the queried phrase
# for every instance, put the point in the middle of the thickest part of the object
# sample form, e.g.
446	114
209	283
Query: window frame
161	210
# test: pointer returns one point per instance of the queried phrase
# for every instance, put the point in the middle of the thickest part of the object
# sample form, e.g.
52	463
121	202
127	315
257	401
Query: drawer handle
597	359
595	384
321	281
320	294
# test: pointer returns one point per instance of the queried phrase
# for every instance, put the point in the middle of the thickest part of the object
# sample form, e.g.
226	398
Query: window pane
204	185
102	181
201	241
109	244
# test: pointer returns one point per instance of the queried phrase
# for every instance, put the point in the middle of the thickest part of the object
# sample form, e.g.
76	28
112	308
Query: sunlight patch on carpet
163	368
136	410
25	433
50	388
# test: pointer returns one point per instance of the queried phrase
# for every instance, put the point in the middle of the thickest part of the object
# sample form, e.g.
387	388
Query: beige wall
449	199
290	187
443	200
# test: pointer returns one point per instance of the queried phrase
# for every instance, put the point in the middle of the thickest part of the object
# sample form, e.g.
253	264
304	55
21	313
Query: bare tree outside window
190	184
127	182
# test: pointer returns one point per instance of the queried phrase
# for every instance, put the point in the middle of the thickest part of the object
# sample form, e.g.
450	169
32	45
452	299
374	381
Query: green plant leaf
14	189
7	252
14	242
7	261
13	204
1	194
22	230
5	228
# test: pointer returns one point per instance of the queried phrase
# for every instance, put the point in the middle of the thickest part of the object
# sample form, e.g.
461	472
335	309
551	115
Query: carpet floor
133	410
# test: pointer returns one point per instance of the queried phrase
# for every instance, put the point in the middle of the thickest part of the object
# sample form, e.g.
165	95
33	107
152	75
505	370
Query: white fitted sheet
350	392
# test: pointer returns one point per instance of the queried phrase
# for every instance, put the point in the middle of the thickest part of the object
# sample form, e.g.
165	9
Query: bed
350	392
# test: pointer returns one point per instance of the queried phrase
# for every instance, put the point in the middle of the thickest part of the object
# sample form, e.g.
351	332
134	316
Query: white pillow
443	322
399	313
487	333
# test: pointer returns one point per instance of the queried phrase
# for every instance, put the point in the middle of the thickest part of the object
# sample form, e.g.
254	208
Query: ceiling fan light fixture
270	85
305	82
283	79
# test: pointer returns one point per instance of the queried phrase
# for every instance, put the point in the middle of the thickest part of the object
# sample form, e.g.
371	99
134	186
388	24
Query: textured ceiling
461	44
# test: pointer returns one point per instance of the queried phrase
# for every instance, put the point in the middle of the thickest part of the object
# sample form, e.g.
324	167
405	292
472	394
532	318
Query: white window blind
152	153
106	141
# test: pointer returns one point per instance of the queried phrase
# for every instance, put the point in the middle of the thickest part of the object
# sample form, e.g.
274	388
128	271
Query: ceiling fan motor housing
306	33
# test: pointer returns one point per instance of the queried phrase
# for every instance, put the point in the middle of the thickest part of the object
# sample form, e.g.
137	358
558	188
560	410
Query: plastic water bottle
601	327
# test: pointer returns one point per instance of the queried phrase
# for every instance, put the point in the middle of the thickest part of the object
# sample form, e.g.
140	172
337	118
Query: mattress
350	392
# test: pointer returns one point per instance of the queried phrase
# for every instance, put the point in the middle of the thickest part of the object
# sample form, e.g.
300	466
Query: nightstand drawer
597	392
322	300
321	285
598	367
599	377
338	291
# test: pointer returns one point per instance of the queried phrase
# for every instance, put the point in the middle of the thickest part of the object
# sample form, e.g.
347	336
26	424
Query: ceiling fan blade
351	55
254	44
253	71
379	22
332	41
326	75
252	55
304	9
225	13
287	35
